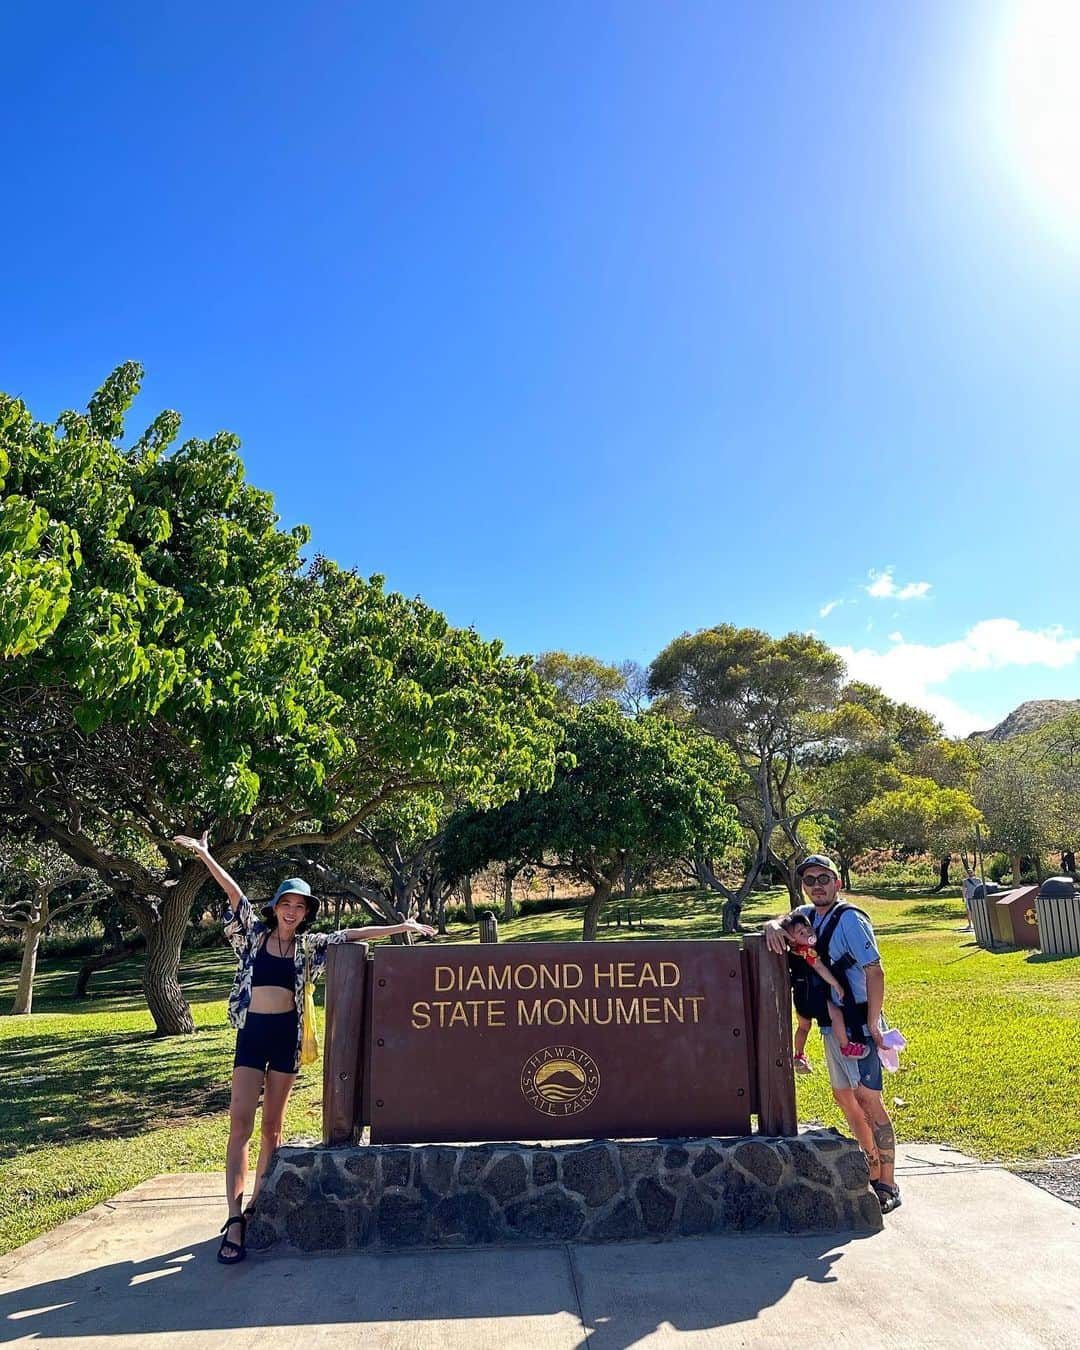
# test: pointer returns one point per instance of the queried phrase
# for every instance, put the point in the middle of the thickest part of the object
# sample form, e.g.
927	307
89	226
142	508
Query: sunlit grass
91	1103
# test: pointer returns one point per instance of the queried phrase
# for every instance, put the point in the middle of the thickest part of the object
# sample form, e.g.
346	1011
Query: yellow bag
309	1044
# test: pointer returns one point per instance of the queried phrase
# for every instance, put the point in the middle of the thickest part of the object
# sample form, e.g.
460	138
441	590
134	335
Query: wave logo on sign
560	1080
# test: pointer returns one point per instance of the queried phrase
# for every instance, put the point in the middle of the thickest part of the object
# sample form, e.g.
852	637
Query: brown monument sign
558	1041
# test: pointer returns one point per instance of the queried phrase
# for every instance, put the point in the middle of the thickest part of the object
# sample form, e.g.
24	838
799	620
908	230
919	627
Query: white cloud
828	608
914	590
910	671
881	584
896	637
883	587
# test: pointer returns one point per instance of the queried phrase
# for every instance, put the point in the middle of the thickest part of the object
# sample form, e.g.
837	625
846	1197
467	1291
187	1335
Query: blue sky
594	323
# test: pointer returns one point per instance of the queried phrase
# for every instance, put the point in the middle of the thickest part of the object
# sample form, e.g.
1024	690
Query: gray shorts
851	1073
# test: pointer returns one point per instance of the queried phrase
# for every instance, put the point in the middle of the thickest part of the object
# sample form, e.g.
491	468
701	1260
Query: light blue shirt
853	936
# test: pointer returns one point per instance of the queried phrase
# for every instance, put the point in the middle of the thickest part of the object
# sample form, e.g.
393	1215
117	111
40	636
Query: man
969	887
856	1083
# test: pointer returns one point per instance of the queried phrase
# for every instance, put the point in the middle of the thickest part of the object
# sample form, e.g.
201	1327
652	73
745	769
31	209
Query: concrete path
976	1257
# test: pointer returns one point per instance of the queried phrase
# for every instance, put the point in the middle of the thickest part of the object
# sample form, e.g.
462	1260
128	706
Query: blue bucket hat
294	886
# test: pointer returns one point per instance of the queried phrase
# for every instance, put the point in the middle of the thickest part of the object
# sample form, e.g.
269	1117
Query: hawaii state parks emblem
560	1080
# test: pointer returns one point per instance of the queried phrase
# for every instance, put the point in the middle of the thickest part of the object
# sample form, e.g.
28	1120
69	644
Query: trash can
1000	923
1057	910
979	909
489	927
1017	911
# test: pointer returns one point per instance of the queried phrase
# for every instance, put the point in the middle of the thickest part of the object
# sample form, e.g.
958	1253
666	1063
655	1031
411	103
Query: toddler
802	940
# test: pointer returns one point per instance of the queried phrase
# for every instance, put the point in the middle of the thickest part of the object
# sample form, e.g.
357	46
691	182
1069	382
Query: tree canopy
765	698
579	679
920	815
191	673
626	788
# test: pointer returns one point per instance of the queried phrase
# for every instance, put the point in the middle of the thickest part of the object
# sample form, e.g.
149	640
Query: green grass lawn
91	1103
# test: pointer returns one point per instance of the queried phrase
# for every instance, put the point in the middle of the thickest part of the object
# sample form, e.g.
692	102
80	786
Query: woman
266	1005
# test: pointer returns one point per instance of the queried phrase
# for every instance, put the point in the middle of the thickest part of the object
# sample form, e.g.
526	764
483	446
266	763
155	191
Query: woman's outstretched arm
201	849
388	930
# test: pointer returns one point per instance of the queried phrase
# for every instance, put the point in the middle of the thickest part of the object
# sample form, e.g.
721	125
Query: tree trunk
601	895
794	885
1038	868
729	916
161	973
24	995
943	872
95	963
466	895
845	873
627	880
508	894
1016	869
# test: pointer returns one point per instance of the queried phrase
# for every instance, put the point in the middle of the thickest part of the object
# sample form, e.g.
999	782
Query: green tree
872	741
766	700
579	679
844	787
38	886
626	788
893	727
919	815
391	863
1017	795
200	678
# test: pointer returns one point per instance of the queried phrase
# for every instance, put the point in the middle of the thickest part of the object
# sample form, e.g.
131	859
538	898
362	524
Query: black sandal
237	1250
888	1196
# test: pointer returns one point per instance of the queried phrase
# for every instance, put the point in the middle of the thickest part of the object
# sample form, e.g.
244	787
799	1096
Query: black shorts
268	1041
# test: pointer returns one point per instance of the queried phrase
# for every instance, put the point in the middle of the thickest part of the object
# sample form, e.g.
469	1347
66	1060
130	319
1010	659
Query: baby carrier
809	990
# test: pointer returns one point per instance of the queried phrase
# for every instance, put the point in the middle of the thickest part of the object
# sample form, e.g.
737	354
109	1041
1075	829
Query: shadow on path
605	1298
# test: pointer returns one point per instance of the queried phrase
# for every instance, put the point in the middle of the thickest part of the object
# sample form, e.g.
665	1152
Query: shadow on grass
886	891
57	1090
939	909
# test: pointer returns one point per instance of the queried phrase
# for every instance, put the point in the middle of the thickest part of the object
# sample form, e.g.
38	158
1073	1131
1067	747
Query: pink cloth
889	1054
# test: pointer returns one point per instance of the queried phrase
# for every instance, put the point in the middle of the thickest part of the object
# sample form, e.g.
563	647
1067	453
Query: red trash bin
1016	915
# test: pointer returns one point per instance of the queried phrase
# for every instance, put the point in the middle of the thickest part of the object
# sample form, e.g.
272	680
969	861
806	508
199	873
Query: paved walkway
975	1257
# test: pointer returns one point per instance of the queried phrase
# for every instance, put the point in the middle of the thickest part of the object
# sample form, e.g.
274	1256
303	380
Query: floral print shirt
246	935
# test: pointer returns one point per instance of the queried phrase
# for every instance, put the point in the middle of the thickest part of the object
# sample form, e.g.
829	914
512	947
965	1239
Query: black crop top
279	971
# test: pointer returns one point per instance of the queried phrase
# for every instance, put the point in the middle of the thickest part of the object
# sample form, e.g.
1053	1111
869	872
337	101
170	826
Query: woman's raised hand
425	929
198	846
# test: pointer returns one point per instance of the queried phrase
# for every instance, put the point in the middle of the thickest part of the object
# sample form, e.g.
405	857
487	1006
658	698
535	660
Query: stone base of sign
463	1195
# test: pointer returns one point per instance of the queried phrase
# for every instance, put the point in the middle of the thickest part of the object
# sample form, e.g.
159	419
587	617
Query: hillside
1028	717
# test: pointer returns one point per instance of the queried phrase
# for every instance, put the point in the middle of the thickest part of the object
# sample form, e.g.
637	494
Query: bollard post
770	995
489	927
346	988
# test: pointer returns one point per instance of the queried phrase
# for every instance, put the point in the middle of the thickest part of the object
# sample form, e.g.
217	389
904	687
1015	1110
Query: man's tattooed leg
885	1143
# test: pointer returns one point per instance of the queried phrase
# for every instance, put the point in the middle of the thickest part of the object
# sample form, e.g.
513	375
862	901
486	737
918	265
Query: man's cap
817	860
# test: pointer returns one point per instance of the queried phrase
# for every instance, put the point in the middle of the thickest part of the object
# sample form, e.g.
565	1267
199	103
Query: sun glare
1040	73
